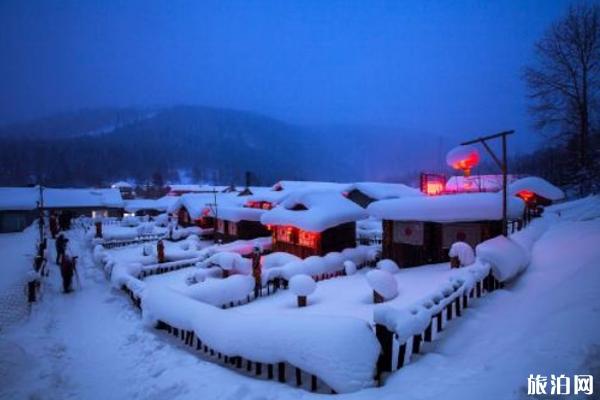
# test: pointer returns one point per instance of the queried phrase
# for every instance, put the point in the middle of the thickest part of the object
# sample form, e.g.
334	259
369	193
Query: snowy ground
91	344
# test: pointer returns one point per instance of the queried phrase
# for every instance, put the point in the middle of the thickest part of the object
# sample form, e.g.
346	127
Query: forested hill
97	147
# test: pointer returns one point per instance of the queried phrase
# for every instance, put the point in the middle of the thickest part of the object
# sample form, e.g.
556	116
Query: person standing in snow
67	269
53	225
61	248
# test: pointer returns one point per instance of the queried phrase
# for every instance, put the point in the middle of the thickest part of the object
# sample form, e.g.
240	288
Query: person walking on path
67	269
61	248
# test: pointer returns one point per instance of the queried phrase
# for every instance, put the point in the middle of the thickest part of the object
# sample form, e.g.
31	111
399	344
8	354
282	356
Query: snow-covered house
142	207
17	208
88	202
126	189
536	192
235	222
181	189
364	193
421	230
313	222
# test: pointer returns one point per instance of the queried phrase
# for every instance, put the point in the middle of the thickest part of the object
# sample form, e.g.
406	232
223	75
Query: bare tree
564	82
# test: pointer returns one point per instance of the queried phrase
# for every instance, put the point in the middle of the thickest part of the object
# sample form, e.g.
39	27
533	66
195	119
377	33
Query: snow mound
506	257
277	259
302	285
388	265
349	267
219	292
383	283
342	351
228	261
464	252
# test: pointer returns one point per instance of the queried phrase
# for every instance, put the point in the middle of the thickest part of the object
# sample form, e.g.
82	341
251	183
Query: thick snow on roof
477	183
18	198
198	203
236	214
381	191
312	185
194	188
64	198
324	209
121	185
145	204
537	185
448	208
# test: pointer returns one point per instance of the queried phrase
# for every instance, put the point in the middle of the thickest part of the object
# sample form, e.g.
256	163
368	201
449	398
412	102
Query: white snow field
93	344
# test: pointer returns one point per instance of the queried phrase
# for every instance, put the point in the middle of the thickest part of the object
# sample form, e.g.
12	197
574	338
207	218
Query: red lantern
463	158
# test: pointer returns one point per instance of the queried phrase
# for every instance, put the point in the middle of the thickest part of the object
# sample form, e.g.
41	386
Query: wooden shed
240	223
311	223
537	193
418	231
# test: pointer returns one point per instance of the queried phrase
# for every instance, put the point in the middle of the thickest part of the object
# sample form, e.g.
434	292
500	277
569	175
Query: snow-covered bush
388	265
99	254
506	258
201	274
148	249
349	267
302	285
383	284
161	220
464	252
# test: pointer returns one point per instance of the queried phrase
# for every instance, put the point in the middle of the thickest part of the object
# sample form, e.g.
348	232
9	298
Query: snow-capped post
461	255
160	251
98	224
256	270
384	285
302	286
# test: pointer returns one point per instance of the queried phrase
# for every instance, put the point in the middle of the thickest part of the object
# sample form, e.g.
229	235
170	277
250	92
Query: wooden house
84	202
18	208
239	223
195	209
313	222
126	189
420	230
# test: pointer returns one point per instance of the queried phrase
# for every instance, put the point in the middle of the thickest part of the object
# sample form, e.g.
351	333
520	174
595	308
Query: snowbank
277	259
507	258
228	261
341	351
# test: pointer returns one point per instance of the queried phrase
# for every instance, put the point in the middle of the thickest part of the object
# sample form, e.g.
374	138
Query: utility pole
503	164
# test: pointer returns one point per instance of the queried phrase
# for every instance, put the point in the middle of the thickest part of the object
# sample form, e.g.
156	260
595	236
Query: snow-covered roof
447	208
26	198
145	204
324	209
18	198
536	185
192	188
74	198
199	204
236	214
312	185
121	185
477	183
381	191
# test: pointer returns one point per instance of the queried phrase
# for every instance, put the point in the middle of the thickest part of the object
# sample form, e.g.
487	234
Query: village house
420	230
84	202
126	189
536	192
18	208
239	223
313	222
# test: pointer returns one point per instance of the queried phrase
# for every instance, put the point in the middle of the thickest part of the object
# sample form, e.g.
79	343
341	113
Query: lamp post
503	164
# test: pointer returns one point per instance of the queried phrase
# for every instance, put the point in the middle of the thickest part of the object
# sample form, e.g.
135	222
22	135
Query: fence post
386	340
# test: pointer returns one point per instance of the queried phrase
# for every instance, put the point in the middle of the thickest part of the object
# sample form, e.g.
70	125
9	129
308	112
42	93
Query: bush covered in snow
464	252
130	221
228	261
383	283
302	285
277	259
388	265
220	292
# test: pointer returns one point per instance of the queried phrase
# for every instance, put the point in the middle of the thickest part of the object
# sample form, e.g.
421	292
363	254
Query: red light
434	188
526	195
463	158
